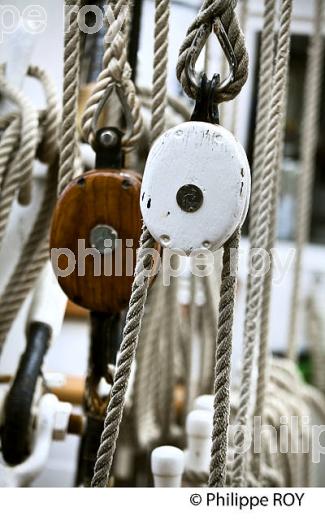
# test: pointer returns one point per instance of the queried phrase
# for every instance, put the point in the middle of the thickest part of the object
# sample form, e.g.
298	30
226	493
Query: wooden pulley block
97	221
196	187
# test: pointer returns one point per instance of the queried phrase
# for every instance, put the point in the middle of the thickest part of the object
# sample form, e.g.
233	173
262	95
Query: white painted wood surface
167	466
199	425
209	157
49	302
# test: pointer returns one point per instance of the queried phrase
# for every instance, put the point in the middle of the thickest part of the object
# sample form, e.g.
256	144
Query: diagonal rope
126	357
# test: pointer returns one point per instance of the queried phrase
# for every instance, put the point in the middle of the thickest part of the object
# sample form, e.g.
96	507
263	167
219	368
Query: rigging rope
116	72
217	477
308	146
68	140
260	232
46	149
196	38
123	369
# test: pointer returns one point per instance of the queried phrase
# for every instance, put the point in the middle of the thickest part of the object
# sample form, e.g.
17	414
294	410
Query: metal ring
193	79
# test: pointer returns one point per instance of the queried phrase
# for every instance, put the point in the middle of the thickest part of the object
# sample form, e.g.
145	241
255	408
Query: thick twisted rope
209	333
263	110
243	19
68	142
196	37
263	340
9	170
146	425
13	170
116	72
160	65
49	118
29	137
217	477
126	358
255	284
35	250
167	351
309	137
31	260
10	137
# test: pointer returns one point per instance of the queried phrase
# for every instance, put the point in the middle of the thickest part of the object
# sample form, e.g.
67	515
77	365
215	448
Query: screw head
98	236
108	138
189	198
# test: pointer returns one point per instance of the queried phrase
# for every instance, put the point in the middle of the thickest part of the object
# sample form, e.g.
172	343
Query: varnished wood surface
98	197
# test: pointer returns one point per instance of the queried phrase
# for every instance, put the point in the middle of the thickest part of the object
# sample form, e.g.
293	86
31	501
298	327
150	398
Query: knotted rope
116	73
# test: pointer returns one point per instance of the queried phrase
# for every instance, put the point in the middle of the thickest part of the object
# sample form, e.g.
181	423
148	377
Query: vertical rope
263	341
260	239
160	65
68	145
115	71
167	350
217	477
243	19
308	145
145	382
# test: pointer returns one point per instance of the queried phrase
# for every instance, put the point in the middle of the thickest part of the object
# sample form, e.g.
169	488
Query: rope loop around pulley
118	89
218	16
115	74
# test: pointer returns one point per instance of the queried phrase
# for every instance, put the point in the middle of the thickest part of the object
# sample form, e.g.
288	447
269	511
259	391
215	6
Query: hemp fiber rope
263	339
308	147
139	292
116	72
160	67
145	382
68	139
123	369
35	249
217	477
148	367
243	20
29	137
260	239
209	12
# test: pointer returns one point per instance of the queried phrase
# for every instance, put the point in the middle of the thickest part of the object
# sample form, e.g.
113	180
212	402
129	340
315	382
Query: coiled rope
46	149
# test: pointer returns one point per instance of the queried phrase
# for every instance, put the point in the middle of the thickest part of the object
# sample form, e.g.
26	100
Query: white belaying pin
196	187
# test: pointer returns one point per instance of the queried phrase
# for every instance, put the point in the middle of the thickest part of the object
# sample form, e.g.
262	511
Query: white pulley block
167	466
199	425
195	188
